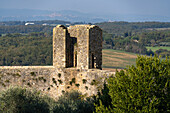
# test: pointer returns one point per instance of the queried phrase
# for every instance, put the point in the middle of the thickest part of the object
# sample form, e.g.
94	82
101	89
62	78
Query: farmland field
117	59
157	48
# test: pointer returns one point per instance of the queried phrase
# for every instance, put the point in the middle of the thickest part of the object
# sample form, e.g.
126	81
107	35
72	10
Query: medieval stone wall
53	81
59	46
79	47
82	35
95	47
37	77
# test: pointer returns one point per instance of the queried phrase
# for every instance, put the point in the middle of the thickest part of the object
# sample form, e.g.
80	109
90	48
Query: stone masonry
77	64
77	46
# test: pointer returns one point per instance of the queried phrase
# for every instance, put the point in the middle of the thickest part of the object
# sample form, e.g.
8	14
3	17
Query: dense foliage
134	37
74	103
20	100
27	49
155	38
163	52
125	27
144	88
25	29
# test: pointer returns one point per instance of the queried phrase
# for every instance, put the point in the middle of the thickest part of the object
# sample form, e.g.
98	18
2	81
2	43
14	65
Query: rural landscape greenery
141	86
31	45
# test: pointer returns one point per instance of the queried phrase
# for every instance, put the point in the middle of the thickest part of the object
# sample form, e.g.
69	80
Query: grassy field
157	48
117	59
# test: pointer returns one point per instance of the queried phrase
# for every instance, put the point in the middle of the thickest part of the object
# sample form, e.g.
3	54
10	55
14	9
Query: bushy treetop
144	88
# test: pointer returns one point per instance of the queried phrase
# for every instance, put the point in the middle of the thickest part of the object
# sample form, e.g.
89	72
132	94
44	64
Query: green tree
144	88
19	100
73	102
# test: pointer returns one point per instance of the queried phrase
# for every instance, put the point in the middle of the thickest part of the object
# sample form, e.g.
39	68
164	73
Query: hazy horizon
143	7
108	10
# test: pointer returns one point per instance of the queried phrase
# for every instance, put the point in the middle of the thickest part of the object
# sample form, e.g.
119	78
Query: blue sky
142	7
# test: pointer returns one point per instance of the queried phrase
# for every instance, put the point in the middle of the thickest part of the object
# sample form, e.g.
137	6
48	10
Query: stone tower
78	46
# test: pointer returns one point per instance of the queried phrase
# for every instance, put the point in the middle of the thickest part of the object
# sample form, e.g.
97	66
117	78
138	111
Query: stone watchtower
77	46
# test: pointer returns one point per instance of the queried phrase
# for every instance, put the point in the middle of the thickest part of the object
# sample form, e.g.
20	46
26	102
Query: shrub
60	81
86	87
54	81
77	85
19	100
84	81
59	75
73	80
144	88
73	103
94	82
33	74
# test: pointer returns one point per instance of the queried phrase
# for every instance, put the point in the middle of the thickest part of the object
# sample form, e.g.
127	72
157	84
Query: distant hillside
122	27
36	26
46	22
25	29
74	16
37	15
136	36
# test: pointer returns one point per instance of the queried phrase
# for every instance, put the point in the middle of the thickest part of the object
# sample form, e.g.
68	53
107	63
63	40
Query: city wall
53	81
77	64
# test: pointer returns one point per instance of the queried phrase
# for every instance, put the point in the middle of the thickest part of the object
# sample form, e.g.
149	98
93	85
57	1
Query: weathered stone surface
84	40
77	64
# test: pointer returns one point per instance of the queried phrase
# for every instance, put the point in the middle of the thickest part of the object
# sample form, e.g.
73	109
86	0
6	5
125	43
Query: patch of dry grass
114	59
